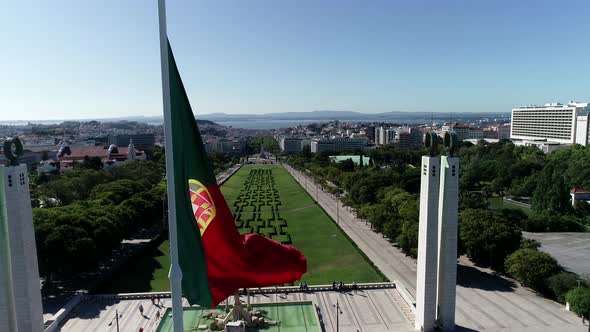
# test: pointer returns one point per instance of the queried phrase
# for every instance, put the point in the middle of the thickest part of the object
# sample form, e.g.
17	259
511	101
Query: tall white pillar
447	241
20	301
426	284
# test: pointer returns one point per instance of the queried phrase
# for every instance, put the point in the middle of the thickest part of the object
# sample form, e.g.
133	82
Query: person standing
141	309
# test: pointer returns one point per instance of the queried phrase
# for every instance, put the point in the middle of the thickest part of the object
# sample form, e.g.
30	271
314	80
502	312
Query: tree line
81	216
92	211
386	195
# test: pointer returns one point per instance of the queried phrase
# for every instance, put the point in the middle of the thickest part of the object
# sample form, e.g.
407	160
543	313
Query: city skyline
67	60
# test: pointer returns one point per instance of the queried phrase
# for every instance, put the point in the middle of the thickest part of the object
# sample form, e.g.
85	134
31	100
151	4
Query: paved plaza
485	301
377	309
572	250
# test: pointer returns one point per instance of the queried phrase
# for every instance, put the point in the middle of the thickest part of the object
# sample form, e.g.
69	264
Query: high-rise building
350	143
552	122
503	132
339	144
475	133
291	144
404	139
416	138
322	145
370	132
384	136
463	131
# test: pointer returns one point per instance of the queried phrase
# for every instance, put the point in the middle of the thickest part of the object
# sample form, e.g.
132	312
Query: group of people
340	286
303	286
155	301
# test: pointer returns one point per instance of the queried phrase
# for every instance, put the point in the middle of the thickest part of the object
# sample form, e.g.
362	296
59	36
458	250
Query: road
485	301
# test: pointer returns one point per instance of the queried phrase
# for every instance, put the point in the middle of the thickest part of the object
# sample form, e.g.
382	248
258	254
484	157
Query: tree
346	165
488	237
579	300
550	221
472	200
117	191
92	163
561	283
532	268
408	239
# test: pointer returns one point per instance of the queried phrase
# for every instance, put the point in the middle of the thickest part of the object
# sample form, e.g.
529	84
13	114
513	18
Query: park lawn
291	193
331	256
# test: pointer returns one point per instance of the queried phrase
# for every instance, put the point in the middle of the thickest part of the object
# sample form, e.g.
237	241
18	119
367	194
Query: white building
384	136
291	144
463	131
552	122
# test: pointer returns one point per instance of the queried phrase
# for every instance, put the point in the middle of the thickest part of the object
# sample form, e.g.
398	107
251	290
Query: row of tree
84	214
386	195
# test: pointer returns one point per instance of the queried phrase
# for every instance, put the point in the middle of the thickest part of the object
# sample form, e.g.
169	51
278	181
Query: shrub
531	267
559	284
529	244
579	300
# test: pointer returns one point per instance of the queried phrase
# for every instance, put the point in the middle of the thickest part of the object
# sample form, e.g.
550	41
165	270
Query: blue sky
88	59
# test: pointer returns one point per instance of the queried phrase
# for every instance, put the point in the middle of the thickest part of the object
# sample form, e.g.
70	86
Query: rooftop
579	191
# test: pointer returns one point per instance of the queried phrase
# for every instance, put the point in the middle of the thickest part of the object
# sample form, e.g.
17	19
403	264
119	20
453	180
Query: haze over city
78	60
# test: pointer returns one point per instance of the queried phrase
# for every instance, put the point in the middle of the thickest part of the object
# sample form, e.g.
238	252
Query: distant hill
403	117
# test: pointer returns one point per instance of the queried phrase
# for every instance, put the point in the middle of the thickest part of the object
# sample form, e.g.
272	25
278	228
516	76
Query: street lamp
338	313
116	319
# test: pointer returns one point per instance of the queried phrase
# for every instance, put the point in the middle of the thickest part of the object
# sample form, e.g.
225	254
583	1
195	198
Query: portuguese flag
215	259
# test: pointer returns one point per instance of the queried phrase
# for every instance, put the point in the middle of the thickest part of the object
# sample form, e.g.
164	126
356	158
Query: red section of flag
237	261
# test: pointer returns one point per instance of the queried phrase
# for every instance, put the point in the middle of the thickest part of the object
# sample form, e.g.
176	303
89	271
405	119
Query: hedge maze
256	209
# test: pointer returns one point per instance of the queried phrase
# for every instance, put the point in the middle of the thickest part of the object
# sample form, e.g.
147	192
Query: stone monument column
426	283
447	242
20	300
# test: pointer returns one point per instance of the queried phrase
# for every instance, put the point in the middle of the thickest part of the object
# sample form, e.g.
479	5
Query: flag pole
175	274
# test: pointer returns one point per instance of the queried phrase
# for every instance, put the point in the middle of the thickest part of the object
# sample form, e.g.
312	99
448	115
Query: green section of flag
190	162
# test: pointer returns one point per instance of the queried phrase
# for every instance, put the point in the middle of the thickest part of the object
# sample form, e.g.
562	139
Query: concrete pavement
572	250
368	309
485	301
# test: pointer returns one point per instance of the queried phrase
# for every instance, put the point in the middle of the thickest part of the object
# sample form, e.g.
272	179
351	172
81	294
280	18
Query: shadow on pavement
471	277
463	329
